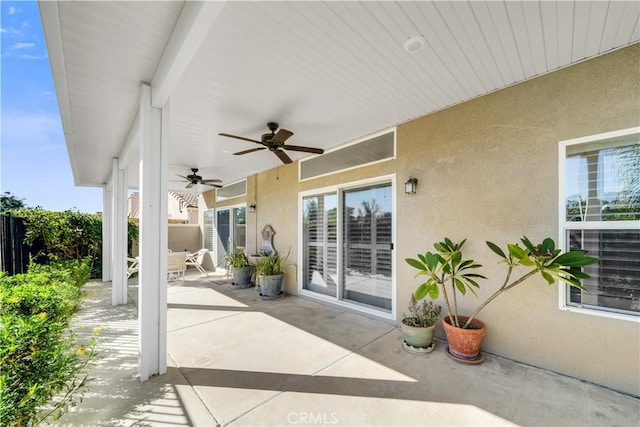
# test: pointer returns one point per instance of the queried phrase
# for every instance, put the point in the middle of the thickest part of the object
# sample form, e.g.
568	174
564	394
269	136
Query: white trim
600	137
194	23
348	144
564	225
106	232
337	300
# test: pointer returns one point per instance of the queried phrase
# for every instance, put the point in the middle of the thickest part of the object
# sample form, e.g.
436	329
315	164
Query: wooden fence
14	253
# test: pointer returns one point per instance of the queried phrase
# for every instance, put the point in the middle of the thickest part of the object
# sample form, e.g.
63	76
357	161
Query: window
347	243
208	230
232	190
372	150
600	214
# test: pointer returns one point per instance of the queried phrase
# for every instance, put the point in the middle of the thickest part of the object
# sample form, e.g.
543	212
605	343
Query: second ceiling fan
274	142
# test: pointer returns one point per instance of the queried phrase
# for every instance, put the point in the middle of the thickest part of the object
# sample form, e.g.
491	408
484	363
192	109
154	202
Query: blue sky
34	161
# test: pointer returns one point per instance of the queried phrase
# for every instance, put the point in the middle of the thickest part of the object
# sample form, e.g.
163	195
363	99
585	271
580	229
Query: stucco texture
488	170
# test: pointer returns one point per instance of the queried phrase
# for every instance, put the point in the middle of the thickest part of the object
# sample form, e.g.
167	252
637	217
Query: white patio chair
196	258
132	266
176	266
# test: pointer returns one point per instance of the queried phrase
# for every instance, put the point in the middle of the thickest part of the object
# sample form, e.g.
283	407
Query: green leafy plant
236	258
448	273
421	315
273	265
43	364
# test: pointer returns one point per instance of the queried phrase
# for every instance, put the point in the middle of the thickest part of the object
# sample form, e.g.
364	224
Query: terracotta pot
464	343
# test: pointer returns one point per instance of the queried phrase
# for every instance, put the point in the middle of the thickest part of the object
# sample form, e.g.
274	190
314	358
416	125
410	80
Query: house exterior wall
184	237
488	170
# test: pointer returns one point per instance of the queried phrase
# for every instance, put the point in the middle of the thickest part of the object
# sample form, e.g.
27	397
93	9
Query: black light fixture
252	208
410	185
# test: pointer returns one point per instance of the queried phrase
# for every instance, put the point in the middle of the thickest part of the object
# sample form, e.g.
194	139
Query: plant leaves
415	263
547	277
495	248
574	259
421	291
516	251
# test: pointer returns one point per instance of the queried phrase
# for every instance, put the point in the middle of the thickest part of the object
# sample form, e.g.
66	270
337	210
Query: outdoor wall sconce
410	185
252	208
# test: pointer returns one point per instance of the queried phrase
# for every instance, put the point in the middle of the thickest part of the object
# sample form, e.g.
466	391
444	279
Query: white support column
119	190
152	294
106	232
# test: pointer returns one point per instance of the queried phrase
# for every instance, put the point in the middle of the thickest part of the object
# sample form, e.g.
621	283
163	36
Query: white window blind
601	215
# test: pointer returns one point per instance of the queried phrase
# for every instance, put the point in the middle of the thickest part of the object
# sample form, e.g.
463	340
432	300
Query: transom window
600	214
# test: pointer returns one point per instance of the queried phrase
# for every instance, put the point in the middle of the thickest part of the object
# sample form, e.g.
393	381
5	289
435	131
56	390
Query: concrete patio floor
237	360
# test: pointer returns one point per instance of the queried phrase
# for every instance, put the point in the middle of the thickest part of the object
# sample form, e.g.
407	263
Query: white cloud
23	45
32	57
13	10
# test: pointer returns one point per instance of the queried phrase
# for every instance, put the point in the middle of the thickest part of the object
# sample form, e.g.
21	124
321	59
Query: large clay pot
464	344
419	337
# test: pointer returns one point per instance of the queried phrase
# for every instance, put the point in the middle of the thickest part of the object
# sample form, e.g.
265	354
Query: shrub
67	236
42	363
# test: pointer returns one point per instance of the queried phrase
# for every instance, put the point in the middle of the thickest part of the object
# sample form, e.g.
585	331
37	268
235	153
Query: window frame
338	300
392	130
564	225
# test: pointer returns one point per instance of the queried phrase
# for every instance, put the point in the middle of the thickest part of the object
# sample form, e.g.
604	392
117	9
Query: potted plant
448	273
419	325
270	274
236	261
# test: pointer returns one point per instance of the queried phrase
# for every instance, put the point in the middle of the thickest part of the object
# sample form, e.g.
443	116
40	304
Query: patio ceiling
329	71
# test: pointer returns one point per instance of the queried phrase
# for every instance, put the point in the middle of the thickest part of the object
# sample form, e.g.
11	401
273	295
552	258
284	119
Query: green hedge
42	362
68	235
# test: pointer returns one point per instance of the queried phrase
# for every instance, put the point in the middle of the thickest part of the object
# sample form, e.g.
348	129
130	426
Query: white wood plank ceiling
329	71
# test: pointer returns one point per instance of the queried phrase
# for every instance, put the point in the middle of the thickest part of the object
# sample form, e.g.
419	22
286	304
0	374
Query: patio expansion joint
206	321
311	375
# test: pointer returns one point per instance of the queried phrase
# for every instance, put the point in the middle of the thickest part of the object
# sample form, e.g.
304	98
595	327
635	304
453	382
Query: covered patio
475	102
237	360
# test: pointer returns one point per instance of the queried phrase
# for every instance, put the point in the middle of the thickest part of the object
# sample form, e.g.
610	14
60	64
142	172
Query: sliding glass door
347	243
230	230
367	245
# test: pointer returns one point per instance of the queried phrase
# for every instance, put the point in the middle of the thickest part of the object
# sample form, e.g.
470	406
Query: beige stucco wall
184	237
488	170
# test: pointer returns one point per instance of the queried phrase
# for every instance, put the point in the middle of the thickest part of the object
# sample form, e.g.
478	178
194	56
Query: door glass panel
367	237
208	226
240	227
319	237
224	235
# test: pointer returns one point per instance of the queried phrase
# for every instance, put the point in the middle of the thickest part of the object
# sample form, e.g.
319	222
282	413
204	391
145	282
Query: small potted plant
236	261
448	273
270	274
419	325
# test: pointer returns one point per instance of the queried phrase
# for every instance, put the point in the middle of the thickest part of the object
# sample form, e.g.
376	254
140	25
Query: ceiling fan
194	179
274	142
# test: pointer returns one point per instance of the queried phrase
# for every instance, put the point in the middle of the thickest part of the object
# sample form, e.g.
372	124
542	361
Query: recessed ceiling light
414	44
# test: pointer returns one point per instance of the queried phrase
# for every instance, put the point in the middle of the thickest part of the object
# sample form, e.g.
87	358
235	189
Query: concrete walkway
237	360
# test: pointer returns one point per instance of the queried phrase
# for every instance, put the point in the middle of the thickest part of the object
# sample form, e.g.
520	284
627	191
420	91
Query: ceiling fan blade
210	180
189	185
283	156
211	185
239	153
183	177
282	135
303	149
240	137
